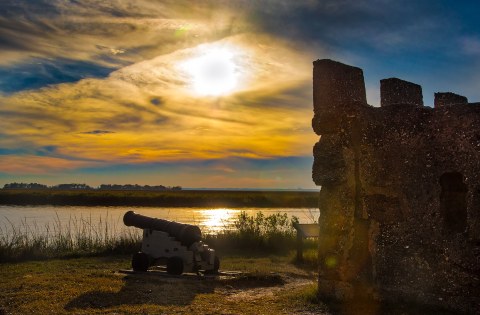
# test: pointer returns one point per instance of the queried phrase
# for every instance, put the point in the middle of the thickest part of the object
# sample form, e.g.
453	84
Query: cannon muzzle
186	234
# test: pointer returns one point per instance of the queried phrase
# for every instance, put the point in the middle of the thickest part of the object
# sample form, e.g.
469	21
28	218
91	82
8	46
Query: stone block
336	84
443	99
394	91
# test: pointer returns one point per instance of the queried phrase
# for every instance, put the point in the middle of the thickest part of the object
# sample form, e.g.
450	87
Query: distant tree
11	186
37	186
75	186
71	186
136	187
24	186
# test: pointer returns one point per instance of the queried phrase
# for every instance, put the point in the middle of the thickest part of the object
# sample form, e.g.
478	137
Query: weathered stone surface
394	91
448	98
329	165
400	198
338	85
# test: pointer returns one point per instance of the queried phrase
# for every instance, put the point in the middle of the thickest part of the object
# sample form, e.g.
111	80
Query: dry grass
79	236
92	286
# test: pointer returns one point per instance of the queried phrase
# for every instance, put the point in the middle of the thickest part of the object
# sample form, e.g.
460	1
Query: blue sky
107	91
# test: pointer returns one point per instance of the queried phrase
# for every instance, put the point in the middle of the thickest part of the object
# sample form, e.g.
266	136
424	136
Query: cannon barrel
186	234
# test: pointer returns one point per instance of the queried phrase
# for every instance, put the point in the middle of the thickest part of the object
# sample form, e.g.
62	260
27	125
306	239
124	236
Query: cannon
178	246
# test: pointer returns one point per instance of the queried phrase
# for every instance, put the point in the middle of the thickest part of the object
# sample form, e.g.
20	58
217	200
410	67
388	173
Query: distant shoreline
182	198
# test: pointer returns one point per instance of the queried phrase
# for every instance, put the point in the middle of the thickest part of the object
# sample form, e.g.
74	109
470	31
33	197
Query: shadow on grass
34	255
144	288
141	289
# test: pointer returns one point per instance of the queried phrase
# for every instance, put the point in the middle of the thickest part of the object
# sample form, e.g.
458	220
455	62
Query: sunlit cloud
115	120
97	132
105	32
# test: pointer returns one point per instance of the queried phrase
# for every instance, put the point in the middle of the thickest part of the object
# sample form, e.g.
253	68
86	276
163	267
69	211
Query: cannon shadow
140	289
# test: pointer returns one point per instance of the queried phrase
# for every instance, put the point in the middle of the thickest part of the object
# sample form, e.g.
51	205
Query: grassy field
183	198
269	285
94	285
85	280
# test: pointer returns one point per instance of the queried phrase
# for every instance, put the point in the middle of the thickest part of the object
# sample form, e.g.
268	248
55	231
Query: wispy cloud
106	32
470	45
255	122
98	132
37	73
34	164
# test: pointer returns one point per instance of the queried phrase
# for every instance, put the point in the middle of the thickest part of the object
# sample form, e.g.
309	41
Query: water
44	219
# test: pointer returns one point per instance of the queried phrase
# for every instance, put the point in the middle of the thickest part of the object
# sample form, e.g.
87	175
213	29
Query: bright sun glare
216	220
213	72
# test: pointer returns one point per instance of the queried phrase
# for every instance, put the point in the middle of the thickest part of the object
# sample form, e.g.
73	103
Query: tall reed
75	237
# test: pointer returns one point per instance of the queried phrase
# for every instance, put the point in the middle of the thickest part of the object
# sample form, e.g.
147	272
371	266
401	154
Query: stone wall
400	196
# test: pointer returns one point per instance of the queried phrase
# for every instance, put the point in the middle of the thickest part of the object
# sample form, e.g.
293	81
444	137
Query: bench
305	231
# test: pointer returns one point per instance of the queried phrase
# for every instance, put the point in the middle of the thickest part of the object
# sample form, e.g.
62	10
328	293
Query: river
48	219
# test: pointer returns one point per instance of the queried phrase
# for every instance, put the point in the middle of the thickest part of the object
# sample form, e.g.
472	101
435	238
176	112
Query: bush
271	234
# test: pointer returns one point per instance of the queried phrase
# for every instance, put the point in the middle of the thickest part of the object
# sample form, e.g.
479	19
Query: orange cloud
114	120
32	164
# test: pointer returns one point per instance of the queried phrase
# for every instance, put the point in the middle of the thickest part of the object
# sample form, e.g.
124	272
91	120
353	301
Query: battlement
448	99
337	85
394	92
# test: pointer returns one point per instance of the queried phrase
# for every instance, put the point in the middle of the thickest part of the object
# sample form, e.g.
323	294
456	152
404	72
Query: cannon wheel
175	265
140	262
216	266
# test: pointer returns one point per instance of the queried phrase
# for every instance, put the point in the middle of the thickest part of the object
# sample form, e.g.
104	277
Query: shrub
257	233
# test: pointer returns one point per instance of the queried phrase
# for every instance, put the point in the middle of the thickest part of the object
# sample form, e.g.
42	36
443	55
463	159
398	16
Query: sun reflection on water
216	220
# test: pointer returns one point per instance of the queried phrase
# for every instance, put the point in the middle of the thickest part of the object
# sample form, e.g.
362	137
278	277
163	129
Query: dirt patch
253	288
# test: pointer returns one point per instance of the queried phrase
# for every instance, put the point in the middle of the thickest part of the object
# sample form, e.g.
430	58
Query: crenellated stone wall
400	196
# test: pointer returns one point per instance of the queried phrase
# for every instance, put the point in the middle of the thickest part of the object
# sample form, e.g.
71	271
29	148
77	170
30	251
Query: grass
183	198
92	286
80	283
78	237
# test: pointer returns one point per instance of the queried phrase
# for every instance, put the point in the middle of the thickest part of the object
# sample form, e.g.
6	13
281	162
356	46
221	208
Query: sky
204	94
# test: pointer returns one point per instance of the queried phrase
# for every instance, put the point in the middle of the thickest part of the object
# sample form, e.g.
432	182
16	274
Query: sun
213	72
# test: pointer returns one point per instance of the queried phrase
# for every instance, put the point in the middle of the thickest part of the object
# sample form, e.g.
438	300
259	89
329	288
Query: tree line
75	186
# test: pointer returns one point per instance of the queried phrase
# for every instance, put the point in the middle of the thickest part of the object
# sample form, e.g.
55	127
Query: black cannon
186	234
180	245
